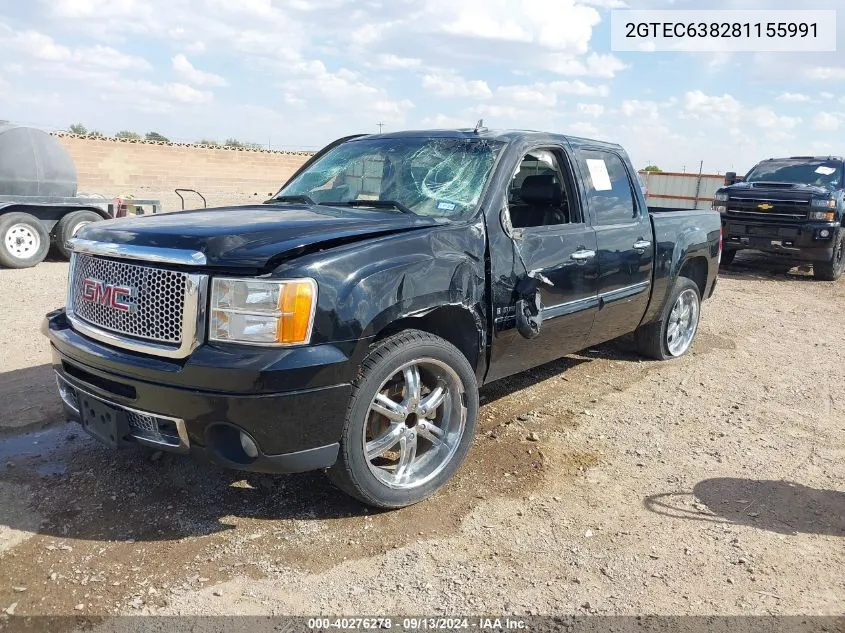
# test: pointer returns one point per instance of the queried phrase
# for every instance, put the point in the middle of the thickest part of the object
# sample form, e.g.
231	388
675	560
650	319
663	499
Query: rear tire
727	258
69	225
24	241
832	270
673	334
410	421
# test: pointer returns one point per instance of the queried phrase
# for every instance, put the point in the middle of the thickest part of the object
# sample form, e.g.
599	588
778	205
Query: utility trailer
39	203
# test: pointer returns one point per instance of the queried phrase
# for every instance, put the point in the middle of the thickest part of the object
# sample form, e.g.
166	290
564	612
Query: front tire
410	421
69	226
673	334
24	241
832	270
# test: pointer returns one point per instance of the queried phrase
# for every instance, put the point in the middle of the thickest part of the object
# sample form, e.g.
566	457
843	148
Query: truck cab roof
504	136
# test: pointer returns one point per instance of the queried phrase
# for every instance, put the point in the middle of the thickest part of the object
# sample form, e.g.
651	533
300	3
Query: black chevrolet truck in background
348	322
792	206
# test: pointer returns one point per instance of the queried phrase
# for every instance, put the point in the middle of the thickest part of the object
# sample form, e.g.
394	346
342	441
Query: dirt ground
708	485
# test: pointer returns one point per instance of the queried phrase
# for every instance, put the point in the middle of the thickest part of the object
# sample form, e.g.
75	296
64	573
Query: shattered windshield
428	176
822	173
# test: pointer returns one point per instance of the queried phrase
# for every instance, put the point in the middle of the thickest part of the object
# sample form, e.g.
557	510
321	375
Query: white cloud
590	109
445	121
582	128
186	71
828	121
563	25
452	85
502	112
700	105
390	61
826	95
394	110
606	4
538	94
793	97
595	65
824	73
579	88
43	48
147	96
637	109
768	119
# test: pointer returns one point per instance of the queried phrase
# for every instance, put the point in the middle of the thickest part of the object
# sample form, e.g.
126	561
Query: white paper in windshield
599	175
825	171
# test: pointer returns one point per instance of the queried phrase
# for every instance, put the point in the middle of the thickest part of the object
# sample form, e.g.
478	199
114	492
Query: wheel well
696	269
455	324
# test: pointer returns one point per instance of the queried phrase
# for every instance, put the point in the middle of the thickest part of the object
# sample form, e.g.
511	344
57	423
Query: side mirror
730	178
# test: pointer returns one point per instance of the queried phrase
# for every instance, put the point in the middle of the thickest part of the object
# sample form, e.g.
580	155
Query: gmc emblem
118	297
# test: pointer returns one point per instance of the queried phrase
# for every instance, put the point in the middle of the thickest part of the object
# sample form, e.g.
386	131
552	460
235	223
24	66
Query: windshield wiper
375	204
300	199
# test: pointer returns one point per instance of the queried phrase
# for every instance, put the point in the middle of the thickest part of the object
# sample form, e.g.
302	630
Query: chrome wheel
414	424
22	241
683	322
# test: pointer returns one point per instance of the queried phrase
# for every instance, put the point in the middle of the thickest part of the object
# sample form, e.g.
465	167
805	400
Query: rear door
624	237
549	234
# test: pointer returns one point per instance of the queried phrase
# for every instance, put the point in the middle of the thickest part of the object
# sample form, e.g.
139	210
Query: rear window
824	173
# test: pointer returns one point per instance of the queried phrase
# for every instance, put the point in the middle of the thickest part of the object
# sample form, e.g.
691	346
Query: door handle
582	255
641	245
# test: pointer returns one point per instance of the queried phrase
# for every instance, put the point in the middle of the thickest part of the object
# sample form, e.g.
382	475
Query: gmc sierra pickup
347	323
791	206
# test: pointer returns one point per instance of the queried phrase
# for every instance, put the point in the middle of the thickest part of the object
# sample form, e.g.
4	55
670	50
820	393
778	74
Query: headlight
818	203
261	311
825	216
720	196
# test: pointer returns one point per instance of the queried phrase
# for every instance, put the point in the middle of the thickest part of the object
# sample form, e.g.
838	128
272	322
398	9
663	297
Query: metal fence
681	190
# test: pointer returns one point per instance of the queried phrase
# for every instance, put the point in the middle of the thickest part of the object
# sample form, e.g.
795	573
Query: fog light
249	446
824	233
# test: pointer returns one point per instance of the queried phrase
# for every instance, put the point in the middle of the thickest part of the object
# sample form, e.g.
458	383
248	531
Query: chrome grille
159	299
166	307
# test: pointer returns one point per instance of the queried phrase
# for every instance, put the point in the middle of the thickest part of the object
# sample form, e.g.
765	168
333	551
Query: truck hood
252	236
788	190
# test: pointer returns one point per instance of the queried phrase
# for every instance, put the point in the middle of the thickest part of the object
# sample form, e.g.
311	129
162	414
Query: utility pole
380	126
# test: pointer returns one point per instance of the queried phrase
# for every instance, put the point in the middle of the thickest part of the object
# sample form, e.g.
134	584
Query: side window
608	187
538	194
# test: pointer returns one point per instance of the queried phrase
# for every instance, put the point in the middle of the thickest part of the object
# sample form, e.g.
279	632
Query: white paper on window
825	171
599	175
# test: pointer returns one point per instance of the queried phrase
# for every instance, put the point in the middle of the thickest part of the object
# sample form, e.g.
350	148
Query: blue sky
298	73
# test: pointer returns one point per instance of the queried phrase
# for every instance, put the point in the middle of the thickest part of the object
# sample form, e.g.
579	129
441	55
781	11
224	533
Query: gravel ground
708	485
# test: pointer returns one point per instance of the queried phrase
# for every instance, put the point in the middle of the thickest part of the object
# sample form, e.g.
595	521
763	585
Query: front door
549	235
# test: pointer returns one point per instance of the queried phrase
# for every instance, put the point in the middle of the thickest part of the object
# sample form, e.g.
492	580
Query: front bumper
800	240
202	404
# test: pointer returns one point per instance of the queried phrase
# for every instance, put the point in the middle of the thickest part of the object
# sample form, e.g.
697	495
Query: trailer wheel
24	241
69	226
832	270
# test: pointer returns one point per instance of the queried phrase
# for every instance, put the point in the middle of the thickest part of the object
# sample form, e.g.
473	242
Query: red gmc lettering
113	296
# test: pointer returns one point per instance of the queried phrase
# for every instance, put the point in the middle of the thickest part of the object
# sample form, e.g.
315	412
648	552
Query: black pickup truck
793	206
347	323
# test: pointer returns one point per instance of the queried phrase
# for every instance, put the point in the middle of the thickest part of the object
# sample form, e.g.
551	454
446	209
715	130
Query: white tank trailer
40	206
